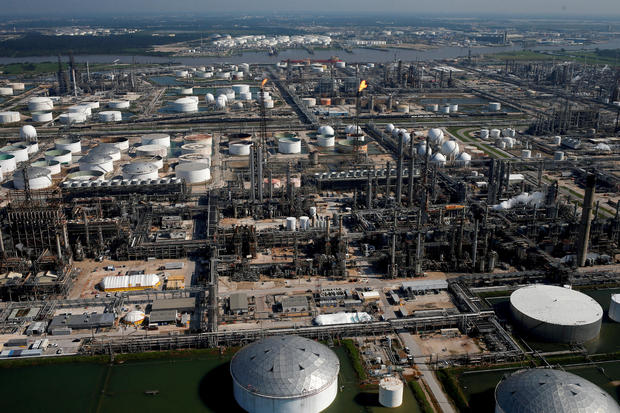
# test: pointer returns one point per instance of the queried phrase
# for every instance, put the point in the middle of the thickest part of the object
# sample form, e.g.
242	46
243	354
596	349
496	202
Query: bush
420	397
354	354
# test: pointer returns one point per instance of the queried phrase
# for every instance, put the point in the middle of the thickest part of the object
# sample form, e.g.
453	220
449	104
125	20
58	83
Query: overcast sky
610	8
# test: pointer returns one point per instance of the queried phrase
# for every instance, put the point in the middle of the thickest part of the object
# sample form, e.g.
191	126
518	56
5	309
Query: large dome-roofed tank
285	374
556	314
435	136
551	391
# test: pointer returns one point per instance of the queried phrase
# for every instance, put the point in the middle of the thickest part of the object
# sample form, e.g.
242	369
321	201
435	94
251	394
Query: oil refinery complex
441	216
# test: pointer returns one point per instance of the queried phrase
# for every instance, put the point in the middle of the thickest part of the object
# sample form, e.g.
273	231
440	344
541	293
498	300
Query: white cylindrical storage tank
495	133
107	149
193	173
239	148
61	155
6	91
202	138
540	390
40	104
445	109
9	117
181	73
402	108
289	145
17	85
42	117
38	178
557	140
558	156
96	162
340	64
220	103
119	142
52	166
92	105
195	158
241	88
245	96
614	308
304	223
495	106
500	144
228	92
85	109
7	162
268	103
110	116
309	102
454	107
72	117
484	134
433	107
352	129
201	148
74	145
140	170
209	98
118	104
526	154
152	150
285	374
156	139
312	211
390	392
325	140
28	133
291	223
186	91
158	161
19	152
556	314
185	105
31	147
421	149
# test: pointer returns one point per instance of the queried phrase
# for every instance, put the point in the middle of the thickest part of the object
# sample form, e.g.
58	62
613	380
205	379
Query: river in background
199	383
358	55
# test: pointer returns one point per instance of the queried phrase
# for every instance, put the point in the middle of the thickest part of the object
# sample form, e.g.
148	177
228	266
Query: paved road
427	373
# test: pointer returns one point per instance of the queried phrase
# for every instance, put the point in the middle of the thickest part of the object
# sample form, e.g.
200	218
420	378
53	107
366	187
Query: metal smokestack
586	219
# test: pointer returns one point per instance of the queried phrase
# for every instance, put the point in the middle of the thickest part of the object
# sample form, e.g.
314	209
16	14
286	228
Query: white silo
140	170
162	139
220	102
96	162
61	155
38	178
291	223
390	392
445	109
110	116
614	308
289	145
74	145
556	314
19	152
239	148
193	173
454	107
42	117
7	162
28	133
495	133
152	150
304	223
285	374
40	104
484	134
118	104
326	140
9	117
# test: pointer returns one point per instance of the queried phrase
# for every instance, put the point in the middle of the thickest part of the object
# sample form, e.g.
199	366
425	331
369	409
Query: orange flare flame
363	86
262	84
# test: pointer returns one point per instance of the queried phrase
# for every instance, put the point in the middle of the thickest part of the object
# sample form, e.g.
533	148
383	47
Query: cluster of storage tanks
352	139
444	109
237	72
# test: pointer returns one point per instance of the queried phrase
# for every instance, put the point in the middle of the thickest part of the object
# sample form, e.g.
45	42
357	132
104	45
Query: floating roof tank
556	314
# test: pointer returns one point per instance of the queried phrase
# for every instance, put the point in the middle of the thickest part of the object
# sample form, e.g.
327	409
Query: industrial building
285	374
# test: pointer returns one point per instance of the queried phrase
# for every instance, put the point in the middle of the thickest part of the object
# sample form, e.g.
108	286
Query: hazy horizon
447	8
